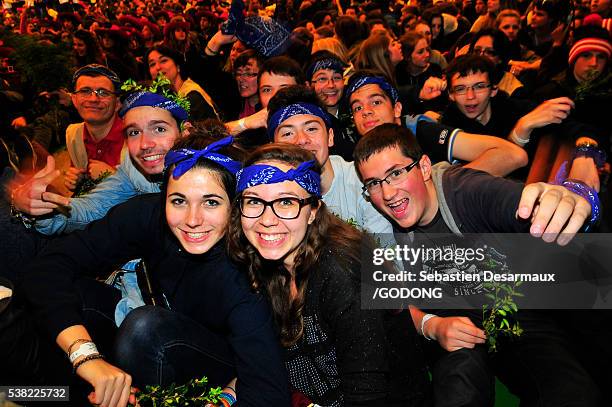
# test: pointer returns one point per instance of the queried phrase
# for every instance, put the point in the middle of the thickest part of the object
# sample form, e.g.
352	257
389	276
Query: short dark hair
465	65
320	56
501	43
94	70
245	56
283	66
291	95
385	136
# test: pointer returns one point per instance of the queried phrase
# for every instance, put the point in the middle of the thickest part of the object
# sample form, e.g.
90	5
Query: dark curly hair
327	233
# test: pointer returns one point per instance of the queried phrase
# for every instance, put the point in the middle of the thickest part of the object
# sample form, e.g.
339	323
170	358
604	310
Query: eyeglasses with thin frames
283	208
101	93
395	177
479	87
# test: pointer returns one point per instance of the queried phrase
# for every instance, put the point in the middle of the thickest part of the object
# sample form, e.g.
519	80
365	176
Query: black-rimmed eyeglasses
283	208
395	177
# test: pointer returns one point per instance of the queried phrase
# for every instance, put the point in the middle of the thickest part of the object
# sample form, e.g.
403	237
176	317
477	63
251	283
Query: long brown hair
327	233
374	54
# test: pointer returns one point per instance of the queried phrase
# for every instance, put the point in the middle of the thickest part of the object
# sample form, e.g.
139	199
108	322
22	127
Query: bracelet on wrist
588	193
80	340
591	151
517	140
241	125
209	49
27	221
86	349
227	399
424	320
85	360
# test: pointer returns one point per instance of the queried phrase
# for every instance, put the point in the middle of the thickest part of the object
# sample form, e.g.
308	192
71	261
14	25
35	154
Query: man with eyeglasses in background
95	144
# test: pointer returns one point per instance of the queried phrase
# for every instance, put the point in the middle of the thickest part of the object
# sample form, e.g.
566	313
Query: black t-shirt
479	203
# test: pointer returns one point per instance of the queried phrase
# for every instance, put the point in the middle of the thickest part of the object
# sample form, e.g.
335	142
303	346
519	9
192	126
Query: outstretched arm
487	153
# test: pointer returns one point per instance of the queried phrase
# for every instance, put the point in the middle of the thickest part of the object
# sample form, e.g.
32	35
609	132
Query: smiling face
95	110
164	64
308	132
151	133
270	83
408	202
372	107
474	103
272	237
197	209
328	85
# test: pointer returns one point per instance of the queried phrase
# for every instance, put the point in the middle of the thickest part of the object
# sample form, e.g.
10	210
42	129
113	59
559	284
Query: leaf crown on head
160	85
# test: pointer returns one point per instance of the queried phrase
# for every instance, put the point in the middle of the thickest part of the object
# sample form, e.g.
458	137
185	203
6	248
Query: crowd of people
230	164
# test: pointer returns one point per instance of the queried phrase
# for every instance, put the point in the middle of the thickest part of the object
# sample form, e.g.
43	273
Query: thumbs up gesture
32	197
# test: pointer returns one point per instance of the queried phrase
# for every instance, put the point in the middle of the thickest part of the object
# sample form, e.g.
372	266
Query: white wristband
426	318
516	139
241	125
86	349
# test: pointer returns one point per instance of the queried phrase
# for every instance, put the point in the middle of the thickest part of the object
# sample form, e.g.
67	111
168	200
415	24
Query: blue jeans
157	346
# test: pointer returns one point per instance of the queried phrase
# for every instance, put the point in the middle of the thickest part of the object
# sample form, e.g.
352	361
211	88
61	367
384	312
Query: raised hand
556	213
32	197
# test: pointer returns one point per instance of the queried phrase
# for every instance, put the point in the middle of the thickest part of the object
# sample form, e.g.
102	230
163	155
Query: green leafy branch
595	85
498	317
161	85
196	392
87	183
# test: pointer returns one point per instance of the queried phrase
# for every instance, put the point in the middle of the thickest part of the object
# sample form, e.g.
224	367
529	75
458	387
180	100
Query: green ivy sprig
87	183
498	317
160	85
196	392
595	85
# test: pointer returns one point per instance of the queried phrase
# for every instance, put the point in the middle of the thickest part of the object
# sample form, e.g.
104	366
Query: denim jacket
125	183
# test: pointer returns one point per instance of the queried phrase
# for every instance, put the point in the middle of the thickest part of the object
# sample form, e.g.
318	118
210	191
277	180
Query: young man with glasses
428	200
325	75
297	117
95	144
373	101
479	107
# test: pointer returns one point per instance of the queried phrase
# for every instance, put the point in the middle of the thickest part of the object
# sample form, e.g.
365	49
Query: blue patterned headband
373	80
326	63
258	174
292	110
142	98
186	158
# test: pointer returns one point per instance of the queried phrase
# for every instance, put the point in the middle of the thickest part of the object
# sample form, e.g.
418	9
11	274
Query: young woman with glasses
307	261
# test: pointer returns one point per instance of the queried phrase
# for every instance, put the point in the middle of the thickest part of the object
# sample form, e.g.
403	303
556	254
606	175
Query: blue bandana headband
293	110
374	80
258	174
186	158
327	63
143	98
